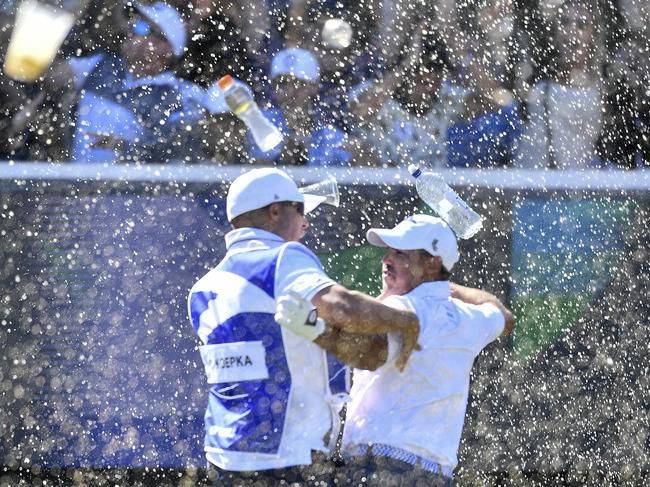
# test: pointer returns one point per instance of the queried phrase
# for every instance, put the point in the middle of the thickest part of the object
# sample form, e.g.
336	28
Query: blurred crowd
439	83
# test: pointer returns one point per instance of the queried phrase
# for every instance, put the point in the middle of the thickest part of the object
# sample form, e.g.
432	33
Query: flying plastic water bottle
242	104
435	192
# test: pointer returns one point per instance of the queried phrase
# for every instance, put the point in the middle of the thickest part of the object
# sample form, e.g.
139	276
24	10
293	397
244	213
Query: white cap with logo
416	232
260	187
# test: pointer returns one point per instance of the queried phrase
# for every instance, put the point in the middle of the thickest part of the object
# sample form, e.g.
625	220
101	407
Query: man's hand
298	315
410	331
410	336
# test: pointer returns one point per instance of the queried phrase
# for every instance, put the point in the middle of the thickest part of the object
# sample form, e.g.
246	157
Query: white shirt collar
435	289
252	237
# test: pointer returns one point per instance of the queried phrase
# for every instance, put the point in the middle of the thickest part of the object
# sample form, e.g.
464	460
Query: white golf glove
298	315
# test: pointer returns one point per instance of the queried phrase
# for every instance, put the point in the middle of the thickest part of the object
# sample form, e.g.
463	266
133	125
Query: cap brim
382	237
312	201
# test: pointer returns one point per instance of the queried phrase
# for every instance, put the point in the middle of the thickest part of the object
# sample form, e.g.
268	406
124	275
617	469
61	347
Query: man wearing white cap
132	107
405	428
310	136
273	407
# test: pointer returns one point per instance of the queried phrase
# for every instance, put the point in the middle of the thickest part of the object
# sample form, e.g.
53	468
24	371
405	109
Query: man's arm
353	312
356	325
477	296
367	352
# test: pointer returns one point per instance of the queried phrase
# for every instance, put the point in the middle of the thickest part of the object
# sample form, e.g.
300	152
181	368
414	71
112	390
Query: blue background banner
563	256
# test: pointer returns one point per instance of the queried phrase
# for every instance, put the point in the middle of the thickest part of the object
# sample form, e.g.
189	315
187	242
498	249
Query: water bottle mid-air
242	104
435	192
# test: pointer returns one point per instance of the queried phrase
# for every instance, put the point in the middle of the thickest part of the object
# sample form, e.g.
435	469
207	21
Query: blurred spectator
344	61
337	67
397	18
625	137
486	131
132	107
309	136
396	21
306	18
502	32
484	50
312	30
402	118
565	107
216	43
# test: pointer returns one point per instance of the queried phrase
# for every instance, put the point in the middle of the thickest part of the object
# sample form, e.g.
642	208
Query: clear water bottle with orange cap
241	102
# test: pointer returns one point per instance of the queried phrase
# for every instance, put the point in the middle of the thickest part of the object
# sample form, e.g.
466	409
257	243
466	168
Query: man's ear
433	266
274	212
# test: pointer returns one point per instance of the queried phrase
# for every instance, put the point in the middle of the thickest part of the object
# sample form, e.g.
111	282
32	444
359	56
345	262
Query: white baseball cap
260	187
297	62
416	232
168	21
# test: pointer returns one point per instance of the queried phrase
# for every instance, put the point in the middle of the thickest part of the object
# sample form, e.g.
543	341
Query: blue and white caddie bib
271	392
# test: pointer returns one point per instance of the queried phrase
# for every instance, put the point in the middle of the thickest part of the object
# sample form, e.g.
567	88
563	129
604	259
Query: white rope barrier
507	179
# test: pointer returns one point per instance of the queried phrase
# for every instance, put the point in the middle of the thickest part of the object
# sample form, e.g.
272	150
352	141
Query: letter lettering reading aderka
236	361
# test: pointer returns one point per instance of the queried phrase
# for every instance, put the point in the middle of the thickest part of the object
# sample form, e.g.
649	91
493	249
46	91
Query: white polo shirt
422	409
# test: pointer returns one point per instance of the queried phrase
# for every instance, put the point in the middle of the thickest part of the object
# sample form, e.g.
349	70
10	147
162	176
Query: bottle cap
225	82
414	170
